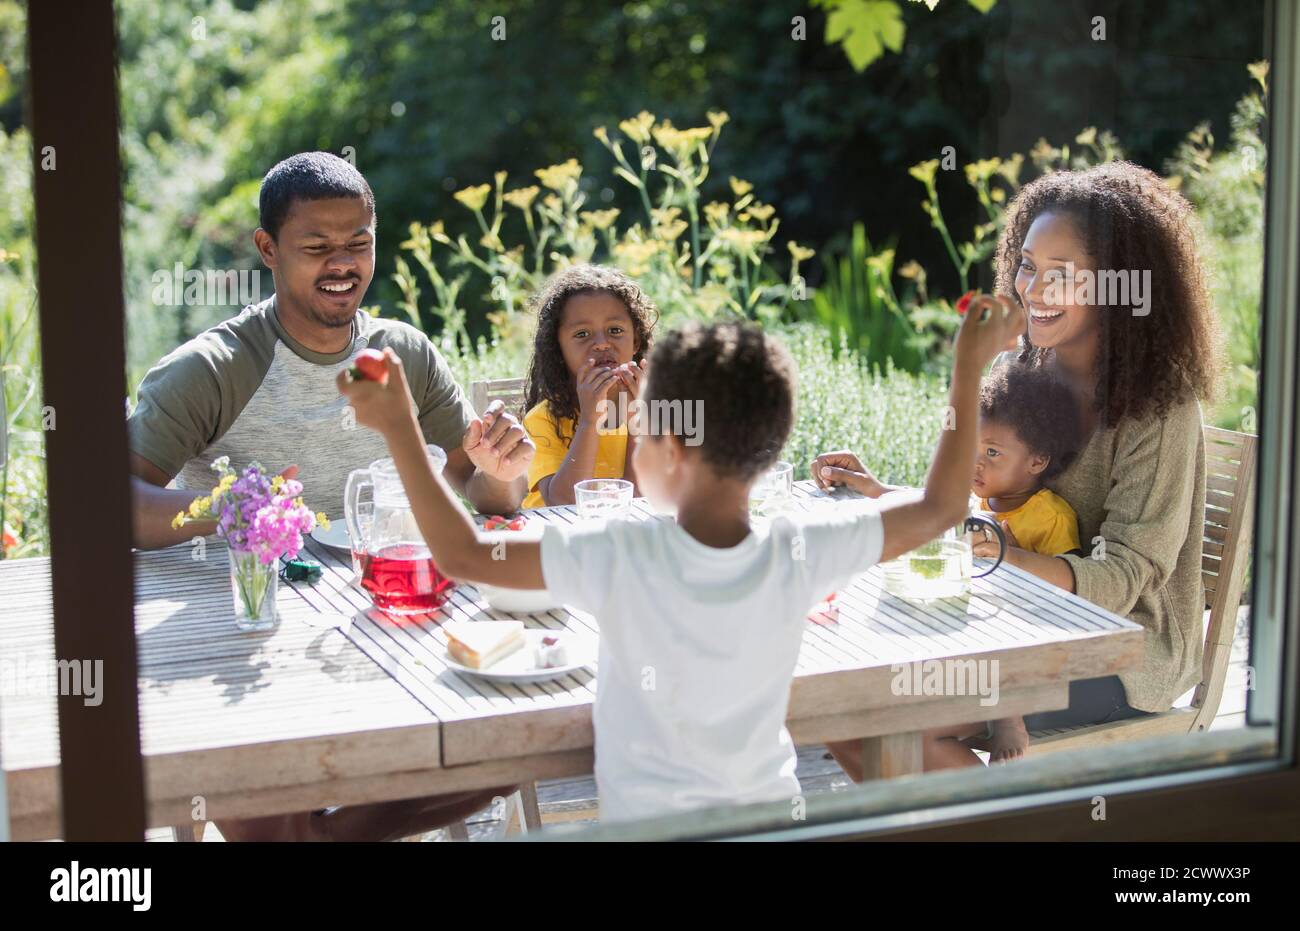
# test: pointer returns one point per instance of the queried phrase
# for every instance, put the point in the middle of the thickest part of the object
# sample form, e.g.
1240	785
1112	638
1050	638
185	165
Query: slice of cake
479	644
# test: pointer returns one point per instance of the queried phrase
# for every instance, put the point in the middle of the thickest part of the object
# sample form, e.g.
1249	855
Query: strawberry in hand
369	365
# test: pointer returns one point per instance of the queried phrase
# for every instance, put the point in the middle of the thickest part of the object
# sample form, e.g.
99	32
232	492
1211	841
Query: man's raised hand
498	445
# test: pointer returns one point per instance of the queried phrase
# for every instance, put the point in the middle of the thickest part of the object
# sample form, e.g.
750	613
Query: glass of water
601	498
773	492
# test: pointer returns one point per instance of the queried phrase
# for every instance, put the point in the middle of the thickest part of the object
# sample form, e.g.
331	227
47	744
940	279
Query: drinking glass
601	498
773	492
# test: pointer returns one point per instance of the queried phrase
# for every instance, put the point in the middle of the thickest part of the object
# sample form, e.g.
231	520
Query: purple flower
252	519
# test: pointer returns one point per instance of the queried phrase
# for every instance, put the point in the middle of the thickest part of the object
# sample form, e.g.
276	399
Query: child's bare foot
1010	740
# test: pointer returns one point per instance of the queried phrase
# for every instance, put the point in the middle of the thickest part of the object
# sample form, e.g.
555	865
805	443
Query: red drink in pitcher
402	579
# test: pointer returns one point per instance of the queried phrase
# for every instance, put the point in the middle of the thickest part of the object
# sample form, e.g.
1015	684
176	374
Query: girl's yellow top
552	439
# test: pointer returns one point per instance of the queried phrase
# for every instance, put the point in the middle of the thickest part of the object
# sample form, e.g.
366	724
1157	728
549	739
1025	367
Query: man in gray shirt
261	386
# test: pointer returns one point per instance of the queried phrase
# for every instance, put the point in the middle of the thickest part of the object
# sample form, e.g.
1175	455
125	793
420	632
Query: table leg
891	755
531	810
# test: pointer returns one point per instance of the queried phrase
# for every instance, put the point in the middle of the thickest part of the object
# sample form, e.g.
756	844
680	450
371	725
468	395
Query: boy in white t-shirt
700	618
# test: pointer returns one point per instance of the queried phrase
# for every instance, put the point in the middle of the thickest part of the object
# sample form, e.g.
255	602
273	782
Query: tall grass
852	304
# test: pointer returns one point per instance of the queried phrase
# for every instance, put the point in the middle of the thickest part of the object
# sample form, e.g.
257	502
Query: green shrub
23	507
1227	187
889	417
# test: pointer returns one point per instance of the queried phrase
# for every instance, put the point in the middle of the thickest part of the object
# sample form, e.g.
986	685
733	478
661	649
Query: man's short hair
308	176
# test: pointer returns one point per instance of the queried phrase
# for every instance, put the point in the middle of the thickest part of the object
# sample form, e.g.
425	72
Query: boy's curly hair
746	381
1039	407
1129	219
549	379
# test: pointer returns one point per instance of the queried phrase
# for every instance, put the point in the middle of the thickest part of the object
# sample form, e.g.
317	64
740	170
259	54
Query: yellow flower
600	219
798	252
740	188
712	297
500	179
983	169
638	128
670	231
716	212
600	133
439	234
178	521
925	171
522	197
322	521
474	197
760	212
742	240
881	262
556	177
276	484
552	203
1087	136
1010	169
680	142
912	270
718	118
664	215
635	256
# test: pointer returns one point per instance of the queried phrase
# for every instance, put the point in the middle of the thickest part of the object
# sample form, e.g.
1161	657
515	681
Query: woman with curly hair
1138	363
593	334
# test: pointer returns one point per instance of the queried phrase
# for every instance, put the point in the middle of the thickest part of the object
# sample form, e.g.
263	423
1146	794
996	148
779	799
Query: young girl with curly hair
593	334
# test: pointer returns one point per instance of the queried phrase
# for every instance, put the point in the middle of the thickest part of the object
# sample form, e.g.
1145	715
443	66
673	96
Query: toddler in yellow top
1030	429
593	334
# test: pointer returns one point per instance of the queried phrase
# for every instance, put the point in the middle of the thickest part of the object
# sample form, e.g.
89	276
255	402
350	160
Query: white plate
520	666
336	537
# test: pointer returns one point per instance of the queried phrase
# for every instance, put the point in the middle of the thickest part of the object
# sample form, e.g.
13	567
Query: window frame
74	101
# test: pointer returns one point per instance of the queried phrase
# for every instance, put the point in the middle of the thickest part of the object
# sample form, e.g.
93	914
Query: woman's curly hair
1129	219
549	379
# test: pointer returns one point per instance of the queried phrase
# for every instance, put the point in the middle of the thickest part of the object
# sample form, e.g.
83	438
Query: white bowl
518	600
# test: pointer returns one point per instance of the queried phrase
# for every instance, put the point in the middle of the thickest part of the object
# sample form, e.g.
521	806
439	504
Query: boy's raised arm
990	325
446	527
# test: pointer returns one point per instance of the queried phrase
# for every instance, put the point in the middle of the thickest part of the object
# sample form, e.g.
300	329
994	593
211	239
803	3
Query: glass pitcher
393	563
942	568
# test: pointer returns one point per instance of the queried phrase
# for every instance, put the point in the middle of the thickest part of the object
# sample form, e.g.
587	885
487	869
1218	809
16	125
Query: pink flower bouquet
263	518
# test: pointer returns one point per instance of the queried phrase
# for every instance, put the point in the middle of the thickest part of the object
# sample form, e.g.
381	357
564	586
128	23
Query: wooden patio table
243	724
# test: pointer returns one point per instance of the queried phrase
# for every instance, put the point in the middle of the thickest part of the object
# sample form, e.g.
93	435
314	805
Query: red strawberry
369	365
516	524
963	302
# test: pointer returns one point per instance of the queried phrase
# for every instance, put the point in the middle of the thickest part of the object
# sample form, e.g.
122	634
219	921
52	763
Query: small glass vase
253	584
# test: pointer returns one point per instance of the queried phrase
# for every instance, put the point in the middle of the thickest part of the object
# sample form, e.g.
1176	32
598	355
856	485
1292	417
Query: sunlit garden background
784	164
